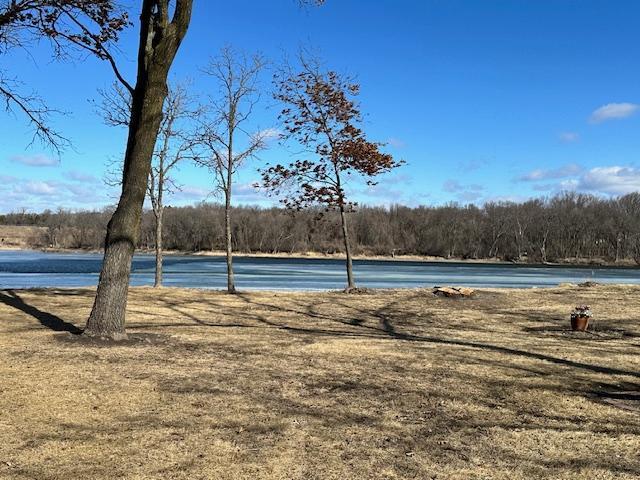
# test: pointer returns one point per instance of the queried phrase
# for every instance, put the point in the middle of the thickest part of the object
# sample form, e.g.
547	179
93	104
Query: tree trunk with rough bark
158	278
231	287
351	284
160	38
347	248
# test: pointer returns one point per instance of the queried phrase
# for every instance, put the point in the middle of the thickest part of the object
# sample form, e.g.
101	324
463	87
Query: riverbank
578	262
391	384
307	255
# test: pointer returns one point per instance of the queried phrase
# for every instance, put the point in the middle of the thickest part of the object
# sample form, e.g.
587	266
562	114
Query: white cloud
81	177
569	137
612	111
469	196
80	191
391	189
545	187
39	188
38	160
38	195
190	192
270	134
397	179
381	192
542	174
572	184
614	180
453	186
463	192
242	194
247	193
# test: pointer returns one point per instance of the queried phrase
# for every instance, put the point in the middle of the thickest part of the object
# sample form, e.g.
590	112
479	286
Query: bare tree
68	25
226	141
176	141
321	114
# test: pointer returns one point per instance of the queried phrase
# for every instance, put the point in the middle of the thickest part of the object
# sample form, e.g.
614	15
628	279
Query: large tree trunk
159	42
108	314
347	248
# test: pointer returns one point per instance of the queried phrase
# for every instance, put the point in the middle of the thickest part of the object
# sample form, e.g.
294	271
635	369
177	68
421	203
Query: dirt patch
388	385
131	340
358	291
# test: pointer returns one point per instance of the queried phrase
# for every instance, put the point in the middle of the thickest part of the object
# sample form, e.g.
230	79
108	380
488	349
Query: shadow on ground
13	299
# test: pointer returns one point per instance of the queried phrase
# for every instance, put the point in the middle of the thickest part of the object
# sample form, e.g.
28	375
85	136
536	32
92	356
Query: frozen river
37	269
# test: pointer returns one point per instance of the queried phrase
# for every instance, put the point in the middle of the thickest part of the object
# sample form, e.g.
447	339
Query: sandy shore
339	256
387	385
309	255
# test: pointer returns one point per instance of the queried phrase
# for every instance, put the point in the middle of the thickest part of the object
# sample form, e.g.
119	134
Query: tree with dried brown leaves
69	25
321	114
227	144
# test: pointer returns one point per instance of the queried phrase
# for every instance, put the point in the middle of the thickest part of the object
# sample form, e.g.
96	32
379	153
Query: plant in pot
580	318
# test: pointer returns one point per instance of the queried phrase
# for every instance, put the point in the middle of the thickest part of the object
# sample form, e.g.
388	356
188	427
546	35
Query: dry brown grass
396	384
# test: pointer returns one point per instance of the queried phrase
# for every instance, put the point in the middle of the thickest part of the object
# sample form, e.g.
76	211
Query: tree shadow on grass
46	319
257	316
388	330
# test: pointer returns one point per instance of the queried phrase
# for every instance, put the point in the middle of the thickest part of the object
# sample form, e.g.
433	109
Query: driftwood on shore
455	292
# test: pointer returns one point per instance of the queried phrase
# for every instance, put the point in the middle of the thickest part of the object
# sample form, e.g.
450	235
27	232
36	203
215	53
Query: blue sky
484	100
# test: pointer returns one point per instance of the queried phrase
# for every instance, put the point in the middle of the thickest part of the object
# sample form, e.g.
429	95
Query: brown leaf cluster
86	24
320	113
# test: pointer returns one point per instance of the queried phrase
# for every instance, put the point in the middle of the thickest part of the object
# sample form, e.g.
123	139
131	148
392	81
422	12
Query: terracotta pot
579	323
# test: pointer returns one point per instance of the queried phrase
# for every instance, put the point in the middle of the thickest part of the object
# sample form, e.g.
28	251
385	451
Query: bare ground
388	385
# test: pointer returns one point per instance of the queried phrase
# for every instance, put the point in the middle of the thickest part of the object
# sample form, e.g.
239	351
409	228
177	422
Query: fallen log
455	292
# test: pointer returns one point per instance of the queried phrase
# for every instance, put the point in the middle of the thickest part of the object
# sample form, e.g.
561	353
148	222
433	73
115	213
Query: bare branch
177	139
68	25
237	77
115	106
36	112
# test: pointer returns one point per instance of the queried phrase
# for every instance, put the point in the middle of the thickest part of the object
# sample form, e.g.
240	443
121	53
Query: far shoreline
576	263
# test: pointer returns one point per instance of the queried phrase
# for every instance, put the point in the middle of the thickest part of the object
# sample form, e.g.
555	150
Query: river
27	269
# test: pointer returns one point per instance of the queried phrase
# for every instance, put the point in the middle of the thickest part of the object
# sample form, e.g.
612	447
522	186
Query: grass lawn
385	385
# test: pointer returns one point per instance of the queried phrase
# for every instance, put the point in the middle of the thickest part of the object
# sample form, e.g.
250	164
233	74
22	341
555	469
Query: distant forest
567	227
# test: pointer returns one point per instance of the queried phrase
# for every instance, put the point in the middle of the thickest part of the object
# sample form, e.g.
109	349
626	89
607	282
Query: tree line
566	227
